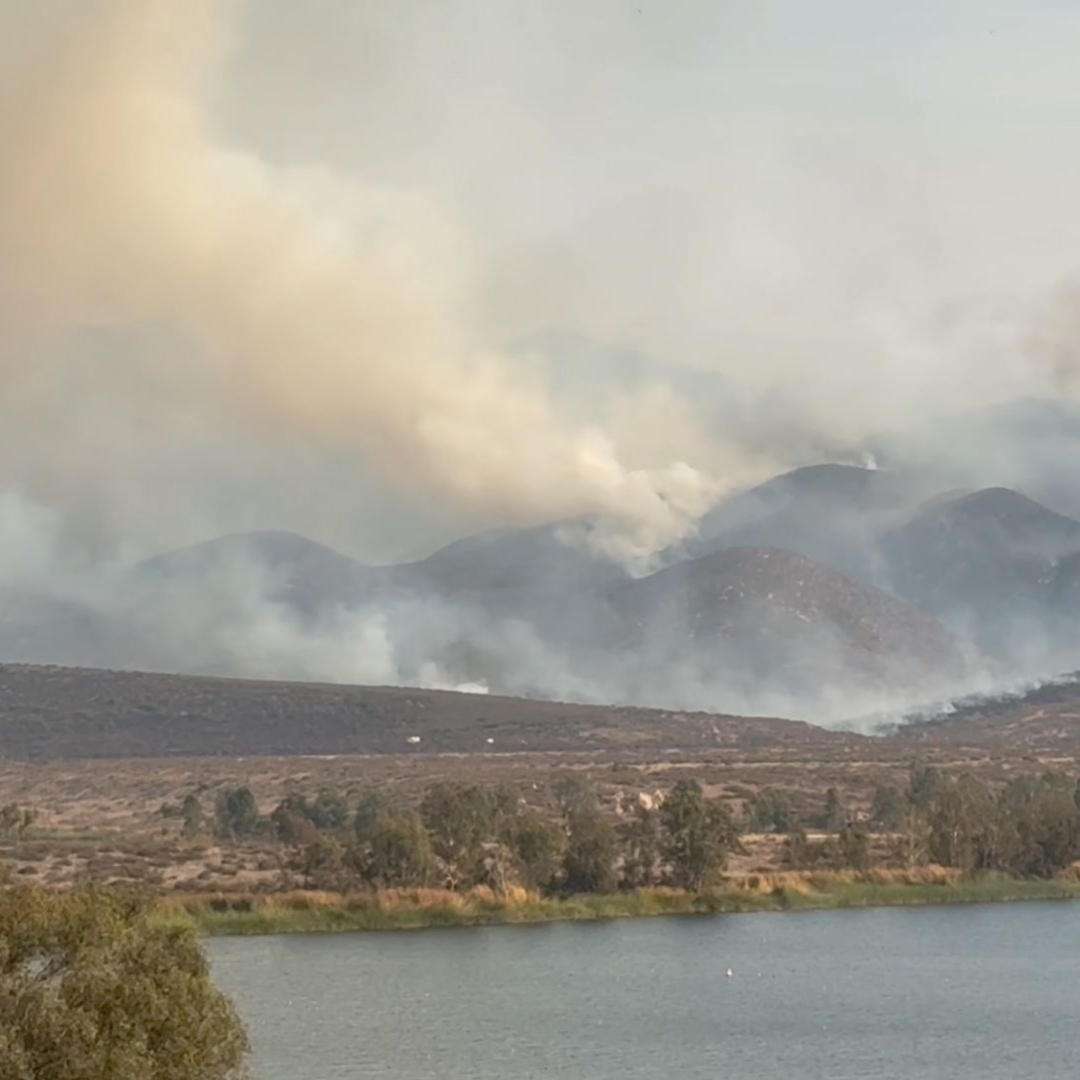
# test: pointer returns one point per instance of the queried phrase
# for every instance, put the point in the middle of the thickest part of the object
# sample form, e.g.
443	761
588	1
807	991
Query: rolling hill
832	513
55	713
293	570
825	593
992	563
756	621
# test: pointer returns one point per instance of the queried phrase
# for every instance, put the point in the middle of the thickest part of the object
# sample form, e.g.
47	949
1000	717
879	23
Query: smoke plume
322	306
388	274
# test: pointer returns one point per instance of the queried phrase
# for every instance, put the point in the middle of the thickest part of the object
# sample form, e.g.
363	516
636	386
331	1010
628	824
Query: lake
982	992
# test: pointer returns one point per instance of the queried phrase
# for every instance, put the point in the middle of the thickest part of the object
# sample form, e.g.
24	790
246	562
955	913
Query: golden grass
303	911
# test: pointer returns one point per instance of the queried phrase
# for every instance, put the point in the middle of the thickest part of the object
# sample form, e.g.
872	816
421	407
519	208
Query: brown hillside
71	713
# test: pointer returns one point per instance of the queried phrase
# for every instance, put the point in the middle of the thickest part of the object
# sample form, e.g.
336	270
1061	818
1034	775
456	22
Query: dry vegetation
99	817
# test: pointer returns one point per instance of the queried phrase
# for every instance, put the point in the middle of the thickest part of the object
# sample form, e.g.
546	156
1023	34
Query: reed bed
401	909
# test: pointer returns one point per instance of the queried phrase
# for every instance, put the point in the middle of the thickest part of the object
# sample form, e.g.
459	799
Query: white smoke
777	220
324	306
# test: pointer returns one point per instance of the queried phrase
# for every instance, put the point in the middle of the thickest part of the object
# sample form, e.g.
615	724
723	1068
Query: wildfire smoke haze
388	275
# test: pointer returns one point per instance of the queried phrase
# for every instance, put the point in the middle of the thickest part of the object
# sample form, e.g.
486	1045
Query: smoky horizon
572	292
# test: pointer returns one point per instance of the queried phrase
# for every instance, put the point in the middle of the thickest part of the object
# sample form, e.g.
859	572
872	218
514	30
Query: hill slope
832	513
1042	722
992	562
287	567
72	713
763	621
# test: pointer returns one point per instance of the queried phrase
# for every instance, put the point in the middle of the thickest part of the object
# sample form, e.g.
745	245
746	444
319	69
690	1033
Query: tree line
1027	827
462	835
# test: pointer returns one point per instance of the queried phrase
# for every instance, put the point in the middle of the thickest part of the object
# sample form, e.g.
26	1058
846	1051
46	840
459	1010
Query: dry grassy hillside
72	713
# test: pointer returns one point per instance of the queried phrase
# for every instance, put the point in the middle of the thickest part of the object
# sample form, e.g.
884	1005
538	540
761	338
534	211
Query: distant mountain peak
1004	507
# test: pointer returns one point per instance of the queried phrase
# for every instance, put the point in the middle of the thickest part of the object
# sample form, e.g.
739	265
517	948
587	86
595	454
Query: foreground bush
90	990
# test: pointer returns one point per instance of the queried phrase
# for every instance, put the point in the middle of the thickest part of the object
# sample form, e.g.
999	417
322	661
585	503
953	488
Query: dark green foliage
848	850
296	821
536	847
574	792
1031	828
589	862
457	817
770	811
236	816
802	853
291	821
322	864
401	855
924	783
90	990
888	808
833	816
192	812
698	833
1045	825
503	805
854	848
372	810
329	811
464	835
640	840
964	830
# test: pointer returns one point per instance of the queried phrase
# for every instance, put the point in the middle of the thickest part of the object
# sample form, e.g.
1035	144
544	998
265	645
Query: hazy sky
867	204
646	169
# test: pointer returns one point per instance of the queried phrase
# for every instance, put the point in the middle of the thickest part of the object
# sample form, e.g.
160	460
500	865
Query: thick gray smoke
389	274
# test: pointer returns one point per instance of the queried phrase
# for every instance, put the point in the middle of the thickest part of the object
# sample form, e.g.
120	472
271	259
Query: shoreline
320	912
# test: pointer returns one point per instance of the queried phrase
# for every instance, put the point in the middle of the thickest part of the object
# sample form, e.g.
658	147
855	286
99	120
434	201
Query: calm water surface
969	992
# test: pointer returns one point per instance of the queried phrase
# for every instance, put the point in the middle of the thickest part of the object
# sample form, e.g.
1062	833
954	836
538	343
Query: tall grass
401	909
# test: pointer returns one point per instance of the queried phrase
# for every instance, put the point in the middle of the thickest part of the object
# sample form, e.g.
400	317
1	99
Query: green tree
322	863
640	840
912	843
963	824
503	806
457	817
698	833
575	792
854	847
796	850
372	809
15	820
1044	825
401	854
90	989
291	821
800	852
191	812
329	811
236	815
1056	839
591	850
536	847
887	808
771	811
924	784
833	816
